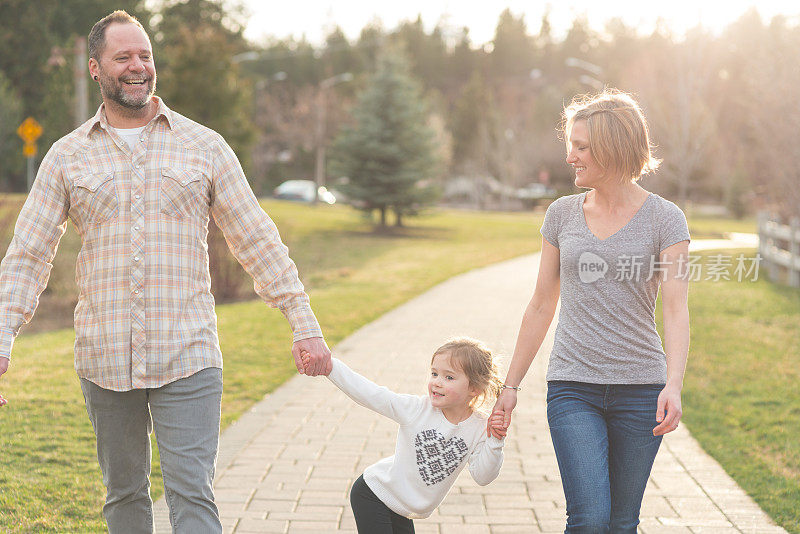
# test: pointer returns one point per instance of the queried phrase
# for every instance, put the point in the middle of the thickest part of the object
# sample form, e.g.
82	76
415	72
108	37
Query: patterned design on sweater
437	457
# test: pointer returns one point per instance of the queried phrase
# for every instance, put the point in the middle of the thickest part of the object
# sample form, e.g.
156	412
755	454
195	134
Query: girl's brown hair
478	363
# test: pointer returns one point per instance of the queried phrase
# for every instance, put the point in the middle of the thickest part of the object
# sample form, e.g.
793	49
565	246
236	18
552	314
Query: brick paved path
287	465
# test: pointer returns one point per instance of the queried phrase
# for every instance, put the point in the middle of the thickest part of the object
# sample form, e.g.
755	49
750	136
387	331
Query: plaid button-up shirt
145	314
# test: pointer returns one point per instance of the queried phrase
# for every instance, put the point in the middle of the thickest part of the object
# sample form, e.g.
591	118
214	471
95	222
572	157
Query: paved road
287	465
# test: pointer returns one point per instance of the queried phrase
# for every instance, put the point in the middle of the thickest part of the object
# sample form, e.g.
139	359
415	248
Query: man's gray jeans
185	415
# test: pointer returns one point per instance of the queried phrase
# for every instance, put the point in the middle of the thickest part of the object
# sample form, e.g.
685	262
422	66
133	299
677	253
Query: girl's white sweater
430	452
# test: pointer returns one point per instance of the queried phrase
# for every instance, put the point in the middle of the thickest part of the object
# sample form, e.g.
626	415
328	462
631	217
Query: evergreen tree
369	44
388	152
195	45
471	124
339	55
513	53
463	62
10	144
426	53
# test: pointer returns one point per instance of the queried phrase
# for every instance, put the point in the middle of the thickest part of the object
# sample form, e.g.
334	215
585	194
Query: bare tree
675	90
772	116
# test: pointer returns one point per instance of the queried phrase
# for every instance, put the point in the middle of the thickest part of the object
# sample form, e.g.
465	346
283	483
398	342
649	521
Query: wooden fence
779	246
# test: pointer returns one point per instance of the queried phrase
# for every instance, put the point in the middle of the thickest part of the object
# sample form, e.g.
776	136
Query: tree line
722	108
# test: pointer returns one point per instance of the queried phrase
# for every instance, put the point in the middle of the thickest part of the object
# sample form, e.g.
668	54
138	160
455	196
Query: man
139	182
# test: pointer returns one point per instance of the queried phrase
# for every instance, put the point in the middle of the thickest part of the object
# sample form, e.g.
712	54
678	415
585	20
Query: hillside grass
712	227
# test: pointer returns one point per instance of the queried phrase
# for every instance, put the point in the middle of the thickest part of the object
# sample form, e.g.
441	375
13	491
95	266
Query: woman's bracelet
516	388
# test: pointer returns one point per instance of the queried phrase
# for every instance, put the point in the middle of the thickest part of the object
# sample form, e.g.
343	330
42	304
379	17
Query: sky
315	18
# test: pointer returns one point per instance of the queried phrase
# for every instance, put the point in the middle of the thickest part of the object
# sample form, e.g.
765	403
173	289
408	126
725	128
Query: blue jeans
604	443
185	414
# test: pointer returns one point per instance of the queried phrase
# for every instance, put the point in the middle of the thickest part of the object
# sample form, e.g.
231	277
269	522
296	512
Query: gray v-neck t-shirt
606	331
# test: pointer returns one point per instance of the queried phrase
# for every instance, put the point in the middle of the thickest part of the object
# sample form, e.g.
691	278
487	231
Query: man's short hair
97	37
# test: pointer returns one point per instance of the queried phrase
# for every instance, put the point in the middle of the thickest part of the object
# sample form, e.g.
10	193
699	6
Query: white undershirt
130	135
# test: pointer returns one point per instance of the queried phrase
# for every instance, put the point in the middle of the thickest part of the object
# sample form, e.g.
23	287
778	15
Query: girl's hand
505	404
669	400
305	359
496	425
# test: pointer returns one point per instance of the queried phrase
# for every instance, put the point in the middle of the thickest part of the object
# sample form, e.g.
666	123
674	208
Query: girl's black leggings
374	517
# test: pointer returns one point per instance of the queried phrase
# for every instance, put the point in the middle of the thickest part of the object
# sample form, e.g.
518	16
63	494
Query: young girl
439	434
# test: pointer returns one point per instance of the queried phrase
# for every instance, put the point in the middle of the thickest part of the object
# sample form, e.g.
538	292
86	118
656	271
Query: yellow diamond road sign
29	130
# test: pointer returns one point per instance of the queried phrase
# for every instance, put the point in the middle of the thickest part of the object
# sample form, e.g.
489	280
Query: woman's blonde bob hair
618	136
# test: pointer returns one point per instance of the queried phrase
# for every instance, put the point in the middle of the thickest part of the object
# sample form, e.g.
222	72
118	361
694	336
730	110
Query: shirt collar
99	120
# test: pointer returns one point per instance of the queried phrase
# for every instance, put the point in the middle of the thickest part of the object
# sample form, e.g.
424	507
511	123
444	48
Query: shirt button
136	228
136	291
136	258
137	197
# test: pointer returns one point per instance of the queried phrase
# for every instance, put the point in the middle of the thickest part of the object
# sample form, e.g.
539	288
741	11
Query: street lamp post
319	171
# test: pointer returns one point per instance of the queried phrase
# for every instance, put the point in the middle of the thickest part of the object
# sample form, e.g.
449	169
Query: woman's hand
669	400
505	404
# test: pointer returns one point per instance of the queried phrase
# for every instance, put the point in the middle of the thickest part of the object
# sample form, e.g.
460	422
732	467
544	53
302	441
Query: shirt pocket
180	192
95	197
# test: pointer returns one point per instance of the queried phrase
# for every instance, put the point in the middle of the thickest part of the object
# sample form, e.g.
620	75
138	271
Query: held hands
317	357
505	404
495	425
670	400
306	359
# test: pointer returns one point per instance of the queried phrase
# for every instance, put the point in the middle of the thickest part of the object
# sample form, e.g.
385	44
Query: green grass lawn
741	397
49	478
712	227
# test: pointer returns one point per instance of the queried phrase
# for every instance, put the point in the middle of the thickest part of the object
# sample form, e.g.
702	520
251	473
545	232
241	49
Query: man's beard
112	89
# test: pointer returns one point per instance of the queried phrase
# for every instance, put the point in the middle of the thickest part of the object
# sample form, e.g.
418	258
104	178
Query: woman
613	392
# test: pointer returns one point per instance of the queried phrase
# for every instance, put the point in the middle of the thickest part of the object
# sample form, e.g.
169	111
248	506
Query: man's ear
94	68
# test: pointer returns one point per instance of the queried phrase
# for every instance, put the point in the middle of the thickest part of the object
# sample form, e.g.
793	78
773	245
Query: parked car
533	193
303	191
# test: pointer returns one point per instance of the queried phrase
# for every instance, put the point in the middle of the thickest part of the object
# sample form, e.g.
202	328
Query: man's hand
317	356
3	368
